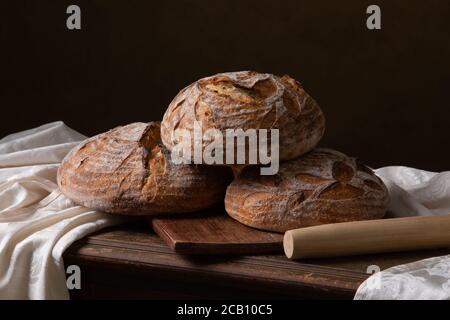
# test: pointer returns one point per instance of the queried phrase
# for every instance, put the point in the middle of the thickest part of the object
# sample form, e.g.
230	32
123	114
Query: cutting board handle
364	237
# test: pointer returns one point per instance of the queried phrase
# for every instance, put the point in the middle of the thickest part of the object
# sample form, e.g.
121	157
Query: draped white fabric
37	223
420	193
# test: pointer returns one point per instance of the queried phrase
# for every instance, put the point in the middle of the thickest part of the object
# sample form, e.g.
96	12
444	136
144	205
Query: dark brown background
385	93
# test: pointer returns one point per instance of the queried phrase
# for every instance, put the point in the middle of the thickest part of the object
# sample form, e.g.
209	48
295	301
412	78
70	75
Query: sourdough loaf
246	100
127	170
324	186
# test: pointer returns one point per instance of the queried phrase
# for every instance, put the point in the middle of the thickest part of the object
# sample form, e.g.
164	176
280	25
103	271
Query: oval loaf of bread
324	186
246	100
127	170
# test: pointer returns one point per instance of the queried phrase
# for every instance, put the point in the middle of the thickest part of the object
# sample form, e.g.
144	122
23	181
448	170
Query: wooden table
131	262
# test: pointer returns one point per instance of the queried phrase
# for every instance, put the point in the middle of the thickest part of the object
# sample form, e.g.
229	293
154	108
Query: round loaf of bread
324	186
245	100
128	171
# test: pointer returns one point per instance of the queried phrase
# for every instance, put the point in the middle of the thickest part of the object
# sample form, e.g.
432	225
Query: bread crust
128	171
247	100
324	186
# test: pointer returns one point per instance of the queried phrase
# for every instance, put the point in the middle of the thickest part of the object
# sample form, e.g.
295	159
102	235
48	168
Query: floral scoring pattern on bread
324	186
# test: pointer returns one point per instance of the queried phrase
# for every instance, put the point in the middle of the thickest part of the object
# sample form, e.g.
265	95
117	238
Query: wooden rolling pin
363	237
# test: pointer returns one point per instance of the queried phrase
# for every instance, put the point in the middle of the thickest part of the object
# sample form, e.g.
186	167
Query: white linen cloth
420	193
37	222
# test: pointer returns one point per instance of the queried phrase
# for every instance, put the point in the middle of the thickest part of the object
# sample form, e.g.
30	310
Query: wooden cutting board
214	232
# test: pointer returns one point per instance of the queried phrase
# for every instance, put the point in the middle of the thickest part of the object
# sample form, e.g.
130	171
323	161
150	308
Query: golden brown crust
127	170
248	100
324	186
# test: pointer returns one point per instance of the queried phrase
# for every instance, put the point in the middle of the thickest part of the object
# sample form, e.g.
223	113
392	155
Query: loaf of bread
324	186
127	170
246	100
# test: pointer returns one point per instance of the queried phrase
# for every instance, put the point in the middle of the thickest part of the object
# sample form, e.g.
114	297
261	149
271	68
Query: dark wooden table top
130	261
